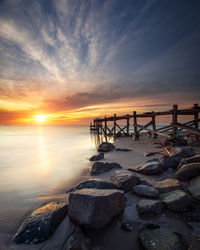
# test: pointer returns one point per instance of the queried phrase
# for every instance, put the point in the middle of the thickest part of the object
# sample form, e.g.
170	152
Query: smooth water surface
36	159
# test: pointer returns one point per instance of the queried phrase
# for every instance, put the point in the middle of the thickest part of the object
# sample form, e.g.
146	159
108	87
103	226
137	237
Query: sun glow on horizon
40	118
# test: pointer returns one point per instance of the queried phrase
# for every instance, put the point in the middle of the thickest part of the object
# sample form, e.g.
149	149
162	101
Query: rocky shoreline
126	205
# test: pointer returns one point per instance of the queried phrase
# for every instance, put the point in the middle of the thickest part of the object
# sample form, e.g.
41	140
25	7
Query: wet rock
168	185
123	149
188	171
148	207
105	147
78	241
194	188
177	200
146	191
169	161
94	183
184	152
193	159
42	222
97	157
161	239
125	180
149	168
145	182
100	167
95	208
148	154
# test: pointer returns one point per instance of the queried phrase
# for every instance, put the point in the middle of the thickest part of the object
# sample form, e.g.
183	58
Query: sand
112	237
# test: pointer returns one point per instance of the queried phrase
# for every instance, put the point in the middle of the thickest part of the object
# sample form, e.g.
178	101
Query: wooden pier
100	125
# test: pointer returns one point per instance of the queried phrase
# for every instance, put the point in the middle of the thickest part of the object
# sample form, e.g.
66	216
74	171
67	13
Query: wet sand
113	236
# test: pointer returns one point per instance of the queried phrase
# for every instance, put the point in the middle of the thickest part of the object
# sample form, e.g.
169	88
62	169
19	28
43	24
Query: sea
37	162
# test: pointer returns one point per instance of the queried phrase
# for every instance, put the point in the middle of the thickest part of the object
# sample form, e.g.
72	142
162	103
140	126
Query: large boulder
184	152
94	183
146	191
194	188
161	239
105	147
97	157
188	171
149	168
167	185
177	200
193	159
169	161
78	241
100	167
125	180
41	223
148	207
95	208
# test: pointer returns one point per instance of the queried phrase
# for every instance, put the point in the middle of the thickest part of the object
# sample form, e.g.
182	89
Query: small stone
97	157
177	200
149	168
161	239
194	188
148	207
167	185
100	167
146	191
125	180
105	147
188	171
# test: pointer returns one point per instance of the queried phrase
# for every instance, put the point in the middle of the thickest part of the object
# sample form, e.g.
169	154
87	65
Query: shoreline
127	160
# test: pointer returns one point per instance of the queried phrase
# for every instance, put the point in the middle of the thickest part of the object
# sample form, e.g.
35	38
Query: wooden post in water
128	124
114	124
174	118
105	129
135	123
154	124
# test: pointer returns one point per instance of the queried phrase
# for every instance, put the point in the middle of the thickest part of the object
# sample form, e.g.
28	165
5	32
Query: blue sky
61	55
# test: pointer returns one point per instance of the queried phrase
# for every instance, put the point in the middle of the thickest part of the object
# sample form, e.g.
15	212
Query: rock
161	239
123	149
148	154
125	180
188	171
194	188
148	207
177	200
193	159
78	241
97	157
146	191
169	162
105	147
145	182
100	167
167	185
42	222
184	152
149	168
94	183
193	213
95	208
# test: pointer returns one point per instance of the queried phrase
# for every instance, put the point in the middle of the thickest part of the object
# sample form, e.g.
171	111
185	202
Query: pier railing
100	125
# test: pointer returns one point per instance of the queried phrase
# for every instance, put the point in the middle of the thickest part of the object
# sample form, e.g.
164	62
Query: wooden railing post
135	123
105	129
154	124
174	118
128	124
114	124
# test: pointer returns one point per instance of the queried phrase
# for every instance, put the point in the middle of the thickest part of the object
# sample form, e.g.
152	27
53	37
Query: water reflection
98	138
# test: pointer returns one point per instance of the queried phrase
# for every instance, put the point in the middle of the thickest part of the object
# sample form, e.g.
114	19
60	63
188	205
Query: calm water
36	159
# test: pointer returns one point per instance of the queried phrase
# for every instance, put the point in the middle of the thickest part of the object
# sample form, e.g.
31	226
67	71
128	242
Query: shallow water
36	161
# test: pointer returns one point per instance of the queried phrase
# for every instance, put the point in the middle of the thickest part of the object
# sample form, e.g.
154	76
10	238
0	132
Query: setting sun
40	118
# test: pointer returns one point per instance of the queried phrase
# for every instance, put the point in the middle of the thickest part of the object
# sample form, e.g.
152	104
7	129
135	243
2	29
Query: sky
72	60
